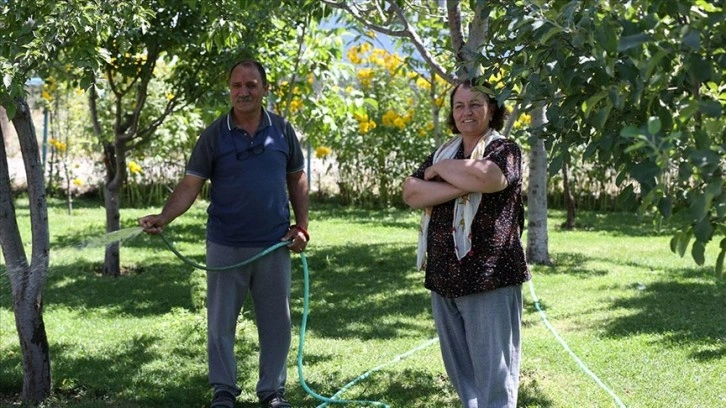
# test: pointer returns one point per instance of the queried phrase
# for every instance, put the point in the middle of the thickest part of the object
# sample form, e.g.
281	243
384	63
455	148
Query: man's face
246	89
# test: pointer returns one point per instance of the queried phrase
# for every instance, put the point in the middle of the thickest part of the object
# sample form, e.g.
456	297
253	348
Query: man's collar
266	120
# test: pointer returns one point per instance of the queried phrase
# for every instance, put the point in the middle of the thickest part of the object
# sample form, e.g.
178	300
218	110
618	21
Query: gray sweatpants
480	345
268	280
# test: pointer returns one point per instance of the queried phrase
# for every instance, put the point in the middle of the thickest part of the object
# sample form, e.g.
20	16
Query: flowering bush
387	128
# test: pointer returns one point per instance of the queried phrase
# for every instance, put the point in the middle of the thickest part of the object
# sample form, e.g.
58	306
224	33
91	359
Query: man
254	161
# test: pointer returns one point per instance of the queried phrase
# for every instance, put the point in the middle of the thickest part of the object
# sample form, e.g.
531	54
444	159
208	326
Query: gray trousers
480	345
268	281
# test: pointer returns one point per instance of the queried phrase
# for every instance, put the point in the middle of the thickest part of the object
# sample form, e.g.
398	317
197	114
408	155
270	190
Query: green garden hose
303	325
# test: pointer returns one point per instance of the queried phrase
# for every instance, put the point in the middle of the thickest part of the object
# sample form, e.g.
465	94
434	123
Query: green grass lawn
649	324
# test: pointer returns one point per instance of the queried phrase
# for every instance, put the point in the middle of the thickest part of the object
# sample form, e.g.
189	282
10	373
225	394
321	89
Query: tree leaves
647	81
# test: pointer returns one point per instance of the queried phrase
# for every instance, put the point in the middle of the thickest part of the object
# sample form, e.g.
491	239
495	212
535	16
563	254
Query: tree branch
407	32
457	36
418	43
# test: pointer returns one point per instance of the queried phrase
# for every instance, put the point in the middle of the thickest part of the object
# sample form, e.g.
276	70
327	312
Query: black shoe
276	401
223	399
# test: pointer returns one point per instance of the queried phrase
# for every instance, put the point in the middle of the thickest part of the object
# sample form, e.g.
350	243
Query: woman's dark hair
485	88
250	63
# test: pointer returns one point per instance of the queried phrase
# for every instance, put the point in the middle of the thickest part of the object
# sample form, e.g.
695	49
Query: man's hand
152	224
298	237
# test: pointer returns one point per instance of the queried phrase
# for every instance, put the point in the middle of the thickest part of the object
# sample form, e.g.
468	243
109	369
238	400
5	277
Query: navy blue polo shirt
249	204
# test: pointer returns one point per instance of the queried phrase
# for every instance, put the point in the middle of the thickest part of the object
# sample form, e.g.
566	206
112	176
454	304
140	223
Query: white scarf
465	207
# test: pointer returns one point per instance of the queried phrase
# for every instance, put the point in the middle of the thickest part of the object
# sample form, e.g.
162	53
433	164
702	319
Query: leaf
10	110
555	165
703	141
607	37
697	252
665	206
631	131
704	158
697	208
674	242
714	188
637	146
372	103
646	173
592	101
552	31
603	115
692	39
700	68
703	230
654	125
653	62
710	108
632	41
627	198
683	240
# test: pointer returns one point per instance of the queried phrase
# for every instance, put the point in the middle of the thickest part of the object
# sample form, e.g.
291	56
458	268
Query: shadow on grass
685	313
366	291
682	309
620	223
153	289
570	263
392	217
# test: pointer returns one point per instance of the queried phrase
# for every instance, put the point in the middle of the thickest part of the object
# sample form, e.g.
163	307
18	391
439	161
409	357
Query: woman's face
472	111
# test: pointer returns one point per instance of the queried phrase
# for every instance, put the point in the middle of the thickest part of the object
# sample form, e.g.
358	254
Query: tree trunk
537	245
27	279
4	124
112	260
569	199
112	202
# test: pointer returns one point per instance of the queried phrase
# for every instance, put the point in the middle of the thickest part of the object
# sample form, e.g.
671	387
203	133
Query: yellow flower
526	118
392	63
169	96
365	77
392	119
523	121
78	182
360	117
366	127
322	152
57	144
423	84
408	117
353	55
295	105
135	167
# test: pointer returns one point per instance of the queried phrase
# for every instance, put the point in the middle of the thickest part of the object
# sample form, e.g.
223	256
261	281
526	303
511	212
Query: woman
469	245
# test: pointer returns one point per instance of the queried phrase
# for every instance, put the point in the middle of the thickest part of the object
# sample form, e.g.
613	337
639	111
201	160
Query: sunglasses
251	151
